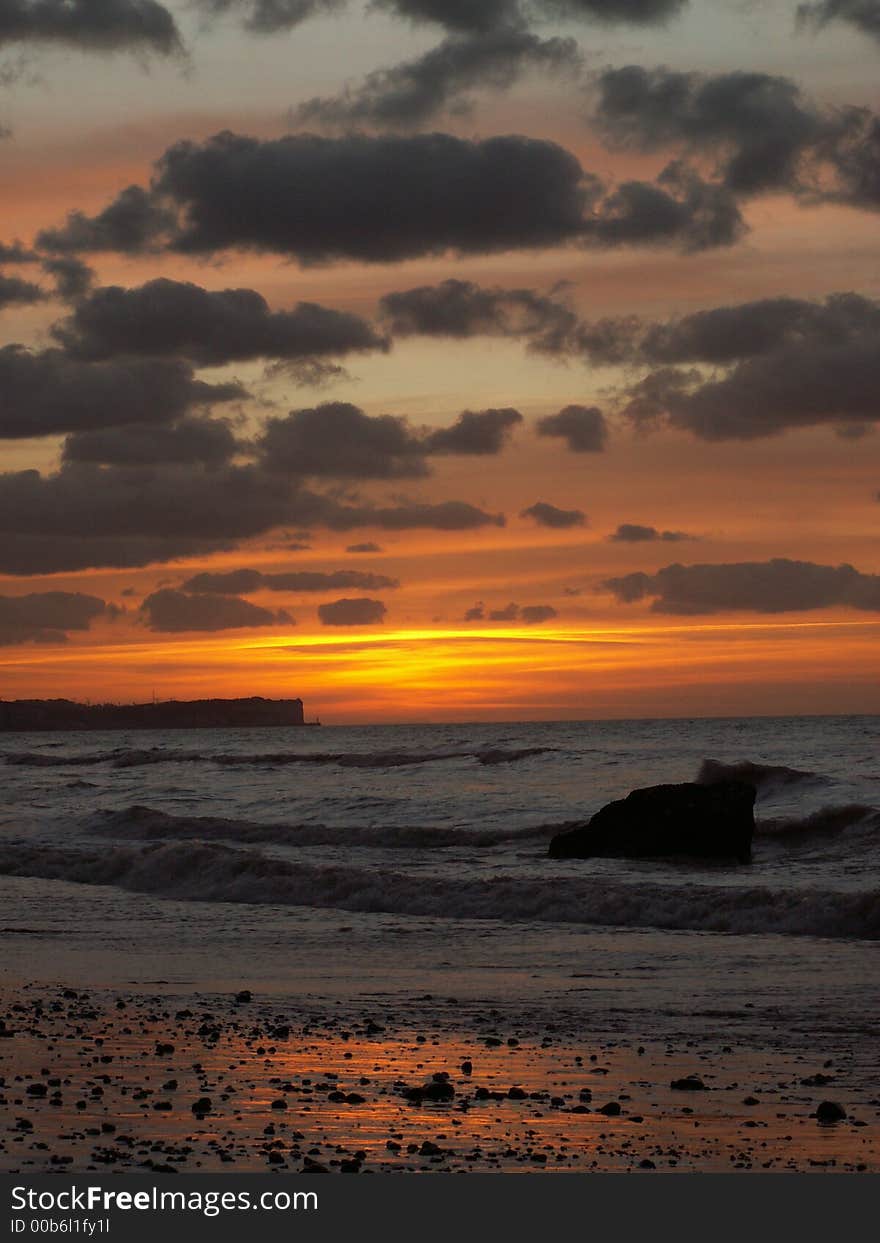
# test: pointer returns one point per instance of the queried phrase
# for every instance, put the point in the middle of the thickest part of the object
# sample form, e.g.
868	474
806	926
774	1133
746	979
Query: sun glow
457	673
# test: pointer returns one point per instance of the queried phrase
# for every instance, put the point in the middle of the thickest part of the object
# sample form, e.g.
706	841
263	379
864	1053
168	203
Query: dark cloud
730	333
208	327
309	372
856	162
390	198
455	14
475	432
373	199
72	277
243	582
763	134
549	516
339	440
582	427
463	309
601	342
794	386
136	221
759	121
264	17
90	25
679	209
189	440
16	292
171	611
87	515
637	12
719	336
45	617
410	94
777	364
44	393
863	14
367	547
224	582
535	614
352	612
776	586
530	615
483	15
27	554
632	533
408	515
15	252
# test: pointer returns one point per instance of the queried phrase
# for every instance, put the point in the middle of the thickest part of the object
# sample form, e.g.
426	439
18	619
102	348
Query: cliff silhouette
65	714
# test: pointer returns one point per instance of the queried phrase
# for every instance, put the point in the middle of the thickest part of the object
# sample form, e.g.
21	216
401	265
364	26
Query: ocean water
374	853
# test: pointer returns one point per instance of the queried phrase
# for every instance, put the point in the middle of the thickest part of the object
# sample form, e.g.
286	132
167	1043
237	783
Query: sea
375	859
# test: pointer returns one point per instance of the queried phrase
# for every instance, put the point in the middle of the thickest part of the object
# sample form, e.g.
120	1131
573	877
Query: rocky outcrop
713	822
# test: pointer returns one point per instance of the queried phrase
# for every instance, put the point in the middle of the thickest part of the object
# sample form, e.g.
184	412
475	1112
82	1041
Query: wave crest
764	777
827	822
148	824
129	758
203	872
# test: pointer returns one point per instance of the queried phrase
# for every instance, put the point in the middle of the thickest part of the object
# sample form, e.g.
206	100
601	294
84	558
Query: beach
363	959
125	1083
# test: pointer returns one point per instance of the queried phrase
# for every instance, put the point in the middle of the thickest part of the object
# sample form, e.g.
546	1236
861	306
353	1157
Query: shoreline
415	1083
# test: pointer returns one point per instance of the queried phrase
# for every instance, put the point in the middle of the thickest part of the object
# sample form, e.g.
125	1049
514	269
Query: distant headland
64	714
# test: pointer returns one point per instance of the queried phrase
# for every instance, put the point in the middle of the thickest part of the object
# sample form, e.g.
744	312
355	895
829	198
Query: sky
435	360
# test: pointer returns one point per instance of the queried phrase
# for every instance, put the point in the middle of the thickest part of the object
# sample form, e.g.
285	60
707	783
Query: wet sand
126	1082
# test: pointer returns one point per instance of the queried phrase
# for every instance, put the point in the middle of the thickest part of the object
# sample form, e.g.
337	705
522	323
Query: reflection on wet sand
164	1084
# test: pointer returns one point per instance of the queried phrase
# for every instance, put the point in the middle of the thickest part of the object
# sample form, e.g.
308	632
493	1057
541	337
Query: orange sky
85	128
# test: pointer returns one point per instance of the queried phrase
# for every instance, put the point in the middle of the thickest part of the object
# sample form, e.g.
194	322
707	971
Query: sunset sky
442	359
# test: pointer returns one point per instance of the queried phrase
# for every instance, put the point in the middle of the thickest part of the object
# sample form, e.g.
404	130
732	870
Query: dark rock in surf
712	822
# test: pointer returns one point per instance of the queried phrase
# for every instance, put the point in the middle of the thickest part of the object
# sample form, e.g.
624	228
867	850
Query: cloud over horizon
633	533
172	611
209	328
546	515
529	614
764	135
583	428
91	25
777	586
87	515
43	393
352	612
47	616
389	198
243	582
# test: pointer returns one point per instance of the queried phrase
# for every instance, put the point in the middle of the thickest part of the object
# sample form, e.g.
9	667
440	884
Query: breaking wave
203	872
764	777
127	758
827	822
148	824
